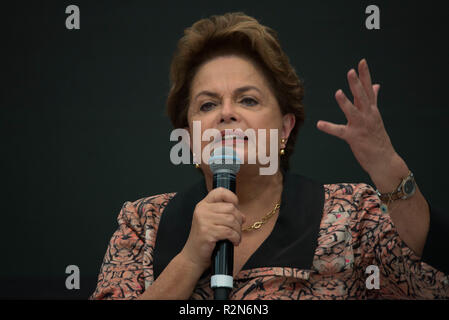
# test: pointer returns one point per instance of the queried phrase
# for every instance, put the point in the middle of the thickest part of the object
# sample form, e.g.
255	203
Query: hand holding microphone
217	224
215	218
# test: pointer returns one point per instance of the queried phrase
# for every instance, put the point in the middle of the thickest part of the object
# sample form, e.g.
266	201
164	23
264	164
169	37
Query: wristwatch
405	190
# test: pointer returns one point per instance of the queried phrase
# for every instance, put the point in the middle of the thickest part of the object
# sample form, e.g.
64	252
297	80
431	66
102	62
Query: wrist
190	265
177	281
390	175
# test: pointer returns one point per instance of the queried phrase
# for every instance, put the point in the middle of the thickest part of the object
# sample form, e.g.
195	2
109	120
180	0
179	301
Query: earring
197	165
282	152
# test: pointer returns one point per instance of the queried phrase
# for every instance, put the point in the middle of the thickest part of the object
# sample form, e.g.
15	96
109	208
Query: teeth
229	137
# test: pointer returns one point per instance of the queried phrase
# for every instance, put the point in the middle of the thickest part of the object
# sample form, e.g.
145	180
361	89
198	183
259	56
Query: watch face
409	187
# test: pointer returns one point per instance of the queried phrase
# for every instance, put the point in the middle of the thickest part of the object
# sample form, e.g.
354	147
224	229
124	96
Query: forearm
176	282
411	216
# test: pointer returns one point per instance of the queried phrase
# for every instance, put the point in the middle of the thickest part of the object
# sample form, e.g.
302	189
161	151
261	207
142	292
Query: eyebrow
236	92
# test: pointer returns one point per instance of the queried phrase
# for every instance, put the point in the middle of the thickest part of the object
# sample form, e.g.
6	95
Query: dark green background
83	126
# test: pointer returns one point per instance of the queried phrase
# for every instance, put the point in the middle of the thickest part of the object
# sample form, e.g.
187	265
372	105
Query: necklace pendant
257	225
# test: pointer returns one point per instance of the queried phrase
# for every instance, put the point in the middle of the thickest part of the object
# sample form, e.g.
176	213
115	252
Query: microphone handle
223	255
225	180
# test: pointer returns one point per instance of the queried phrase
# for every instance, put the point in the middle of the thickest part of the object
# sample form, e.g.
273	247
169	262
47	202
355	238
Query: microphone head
225	159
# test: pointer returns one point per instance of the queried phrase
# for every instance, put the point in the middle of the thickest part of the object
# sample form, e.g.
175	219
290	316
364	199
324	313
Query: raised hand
364	132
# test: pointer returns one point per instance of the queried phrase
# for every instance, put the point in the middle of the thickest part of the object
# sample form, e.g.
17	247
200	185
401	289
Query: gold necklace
256	225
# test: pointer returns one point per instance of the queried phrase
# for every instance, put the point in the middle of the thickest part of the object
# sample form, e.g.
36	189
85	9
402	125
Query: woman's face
230	92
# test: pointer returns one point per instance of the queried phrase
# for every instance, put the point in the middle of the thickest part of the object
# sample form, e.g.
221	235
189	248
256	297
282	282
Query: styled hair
239	34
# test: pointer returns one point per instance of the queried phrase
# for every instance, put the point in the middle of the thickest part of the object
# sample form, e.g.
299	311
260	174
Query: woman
313	241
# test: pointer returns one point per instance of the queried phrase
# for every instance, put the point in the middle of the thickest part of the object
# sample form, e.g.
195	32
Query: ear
288	123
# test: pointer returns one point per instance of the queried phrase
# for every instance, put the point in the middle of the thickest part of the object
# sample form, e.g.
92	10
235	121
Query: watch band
398	193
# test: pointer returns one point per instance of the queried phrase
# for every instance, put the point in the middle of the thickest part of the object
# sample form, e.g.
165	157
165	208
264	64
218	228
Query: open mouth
233	136
232	140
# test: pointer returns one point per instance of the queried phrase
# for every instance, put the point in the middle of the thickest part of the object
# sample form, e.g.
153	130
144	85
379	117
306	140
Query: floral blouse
329	242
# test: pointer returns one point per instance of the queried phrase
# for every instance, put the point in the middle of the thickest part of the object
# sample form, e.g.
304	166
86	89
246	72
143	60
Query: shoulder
349	228
349	196
356	203
146	210
347	189
154	203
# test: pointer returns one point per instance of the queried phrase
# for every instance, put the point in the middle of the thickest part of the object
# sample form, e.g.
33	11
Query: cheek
272	135
270	118
270	123
198	130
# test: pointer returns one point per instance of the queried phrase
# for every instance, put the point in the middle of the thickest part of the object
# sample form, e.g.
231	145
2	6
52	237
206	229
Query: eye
206	106
249	101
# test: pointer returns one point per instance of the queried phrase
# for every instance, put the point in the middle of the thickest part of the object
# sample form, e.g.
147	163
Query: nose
228	112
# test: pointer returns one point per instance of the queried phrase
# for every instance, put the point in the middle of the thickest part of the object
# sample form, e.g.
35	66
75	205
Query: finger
229	209
376	89
226	233
365	79
345	105
222	195
227	220
357	90
337	130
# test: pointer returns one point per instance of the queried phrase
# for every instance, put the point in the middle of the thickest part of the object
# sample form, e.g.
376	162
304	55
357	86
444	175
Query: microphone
224	164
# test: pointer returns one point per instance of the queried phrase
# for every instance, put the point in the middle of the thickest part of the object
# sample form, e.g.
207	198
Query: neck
256	193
